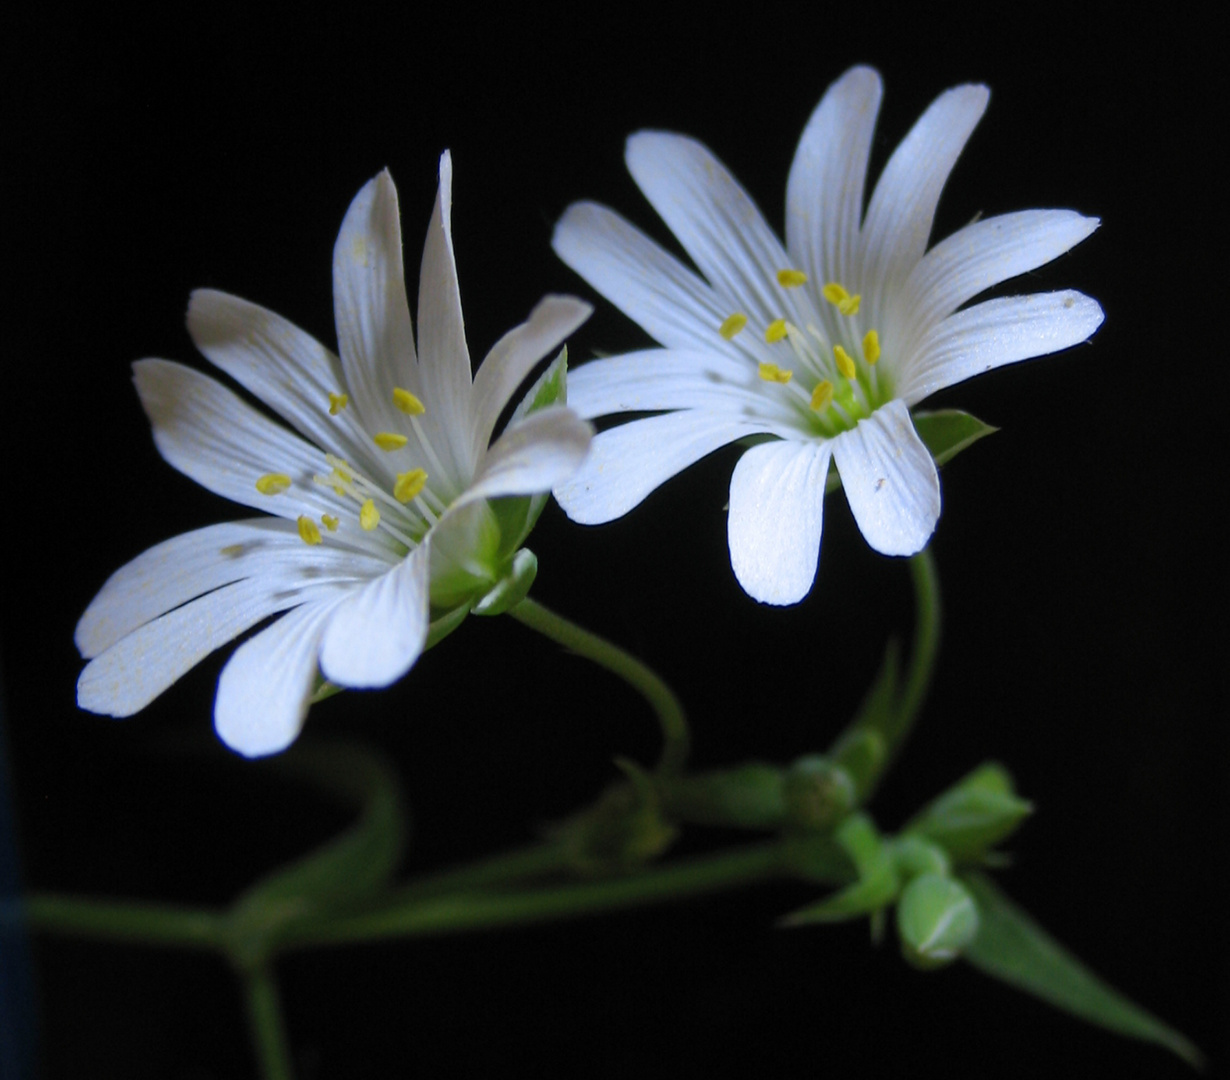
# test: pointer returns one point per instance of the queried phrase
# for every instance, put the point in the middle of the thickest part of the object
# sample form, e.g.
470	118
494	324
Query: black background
1078	554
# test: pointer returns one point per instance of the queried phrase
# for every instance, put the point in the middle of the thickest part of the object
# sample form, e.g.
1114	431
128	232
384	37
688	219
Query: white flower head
817	349
380	504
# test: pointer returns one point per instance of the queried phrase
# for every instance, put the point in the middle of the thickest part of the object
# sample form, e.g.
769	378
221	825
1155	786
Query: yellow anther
369	516
844	364
775	331
408	403
871	346
772	373
732	324
308	532
337	402
387	440
791	279
409	484
329	522
273	483
822	395
837	296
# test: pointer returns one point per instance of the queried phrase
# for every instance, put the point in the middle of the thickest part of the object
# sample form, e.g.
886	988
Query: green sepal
748	797
510	590
1011	947
341	872
913	855
946	432
877	885
936	920
550	388
975	814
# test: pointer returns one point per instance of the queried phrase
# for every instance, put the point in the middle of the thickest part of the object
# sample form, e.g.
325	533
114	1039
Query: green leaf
975	814
351	866
947	432
877	885
1011	947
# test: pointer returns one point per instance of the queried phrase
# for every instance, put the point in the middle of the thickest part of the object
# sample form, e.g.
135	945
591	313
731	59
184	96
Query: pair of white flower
817	350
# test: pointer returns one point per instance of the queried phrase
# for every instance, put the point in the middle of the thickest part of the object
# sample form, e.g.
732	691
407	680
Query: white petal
663	379
890	480
444	360
369	305
286	368
514	356
995	333
187	566
131	673
264	689
824	195
207	433
903	206
776	517
375	636
718	225
646	283
986	253
628	462
533	456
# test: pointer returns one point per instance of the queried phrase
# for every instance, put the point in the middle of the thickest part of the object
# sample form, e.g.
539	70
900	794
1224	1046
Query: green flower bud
973	815
817	793
936	919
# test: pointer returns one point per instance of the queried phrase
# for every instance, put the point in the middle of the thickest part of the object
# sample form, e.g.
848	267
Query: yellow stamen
409	484
791	279
369	516
273	483
337	402
407	402
772	373
775	331
308	532
871	346
837	296
329	522
822	395
732	324
387	440
844	364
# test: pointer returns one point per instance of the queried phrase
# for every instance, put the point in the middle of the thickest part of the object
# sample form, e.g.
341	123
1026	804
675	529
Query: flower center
405	510
838	381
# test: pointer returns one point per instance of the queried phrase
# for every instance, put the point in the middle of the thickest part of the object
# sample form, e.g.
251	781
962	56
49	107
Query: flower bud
817	793
973	815
936	919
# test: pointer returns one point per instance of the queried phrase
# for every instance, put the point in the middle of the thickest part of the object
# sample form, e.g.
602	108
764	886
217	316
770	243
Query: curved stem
926	644
644	680
485	911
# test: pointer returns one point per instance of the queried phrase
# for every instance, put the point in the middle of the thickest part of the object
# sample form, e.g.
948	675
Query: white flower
381	508
821	347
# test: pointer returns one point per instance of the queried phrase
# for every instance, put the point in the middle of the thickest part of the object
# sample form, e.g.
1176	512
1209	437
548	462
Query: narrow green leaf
947	432
1011	947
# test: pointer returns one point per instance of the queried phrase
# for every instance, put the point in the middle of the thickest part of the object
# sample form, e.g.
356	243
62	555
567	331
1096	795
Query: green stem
120	920
515	866
615	660
926	644
485	911
265	1017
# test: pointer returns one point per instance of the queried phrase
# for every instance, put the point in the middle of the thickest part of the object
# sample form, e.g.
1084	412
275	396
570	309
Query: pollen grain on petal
388	440
845	364
791	279
772	373
871	346
337	402
369	516
273	483
308	532
409	485
732	324
775	331
407	402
